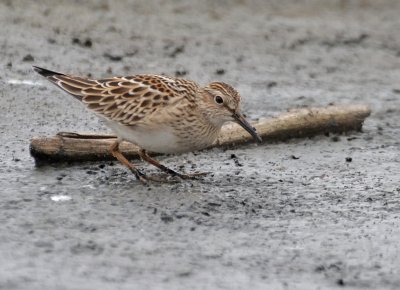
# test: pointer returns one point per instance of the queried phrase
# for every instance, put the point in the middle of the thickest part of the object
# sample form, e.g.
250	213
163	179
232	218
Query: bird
157	113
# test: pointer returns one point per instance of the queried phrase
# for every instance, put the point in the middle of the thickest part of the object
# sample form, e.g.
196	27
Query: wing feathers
124	99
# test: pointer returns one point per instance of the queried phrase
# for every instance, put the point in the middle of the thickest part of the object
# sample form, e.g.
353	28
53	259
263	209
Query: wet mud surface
319	213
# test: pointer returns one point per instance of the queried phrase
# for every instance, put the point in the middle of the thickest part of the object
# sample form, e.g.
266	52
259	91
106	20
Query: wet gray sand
319	213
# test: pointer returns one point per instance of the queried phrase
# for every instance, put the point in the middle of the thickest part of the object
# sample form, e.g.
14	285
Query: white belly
160	140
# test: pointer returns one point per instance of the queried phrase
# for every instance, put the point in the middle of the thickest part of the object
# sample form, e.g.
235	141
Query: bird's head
221	103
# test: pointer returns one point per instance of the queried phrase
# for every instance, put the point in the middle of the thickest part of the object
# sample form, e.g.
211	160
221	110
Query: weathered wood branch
294	124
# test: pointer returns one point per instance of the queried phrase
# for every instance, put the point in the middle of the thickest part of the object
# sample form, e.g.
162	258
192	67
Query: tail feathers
71	84
45	72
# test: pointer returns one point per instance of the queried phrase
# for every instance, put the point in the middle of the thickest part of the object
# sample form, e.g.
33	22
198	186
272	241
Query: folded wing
123	99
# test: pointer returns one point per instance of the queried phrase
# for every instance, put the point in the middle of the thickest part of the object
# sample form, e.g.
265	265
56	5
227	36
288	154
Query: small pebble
88	42
112	57
180	73
340	282
220	71
166	218
335	138
28	57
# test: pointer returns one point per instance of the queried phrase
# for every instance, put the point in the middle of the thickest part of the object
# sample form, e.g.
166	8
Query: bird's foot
166	178
193	176
146	178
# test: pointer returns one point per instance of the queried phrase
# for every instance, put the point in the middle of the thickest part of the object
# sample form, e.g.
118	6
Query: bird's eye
219	99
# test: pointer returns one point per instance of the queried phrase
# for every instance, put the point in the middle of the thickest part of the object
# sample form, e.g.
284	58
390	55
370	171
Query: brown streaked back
126	100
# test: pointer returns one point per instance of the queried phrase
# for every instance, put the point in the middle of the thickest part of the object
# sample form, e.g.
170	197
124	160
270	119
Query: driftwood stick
294	124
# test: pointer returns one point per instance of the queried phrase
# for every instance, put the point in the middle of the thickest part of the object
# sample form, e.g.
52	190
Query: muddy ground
263	220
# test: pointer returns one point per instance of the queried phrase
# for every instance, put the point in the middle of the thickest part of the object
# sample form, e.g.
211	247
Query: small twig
294	124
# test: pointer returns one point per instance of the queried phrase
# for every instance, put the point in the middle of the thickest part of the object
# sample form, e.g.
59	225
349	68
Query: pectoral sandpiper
157	113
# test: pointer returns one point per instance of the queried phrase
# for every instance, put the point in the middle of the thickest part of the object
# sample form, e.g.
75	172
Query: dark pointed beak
240	119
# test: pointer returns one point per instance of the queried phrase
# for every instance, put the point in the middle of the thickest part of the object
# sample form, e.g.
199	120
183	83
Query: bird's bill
240	119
